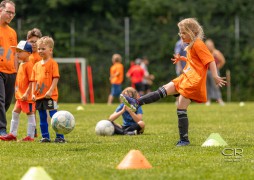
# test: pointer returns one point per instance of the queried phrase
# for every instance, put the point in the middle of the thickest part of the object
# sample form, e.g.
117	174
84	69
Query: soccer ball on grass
63	122
104	128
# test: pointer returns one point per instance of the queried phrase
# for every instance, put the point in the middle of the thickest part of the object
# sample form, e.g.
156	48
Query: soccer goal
72	82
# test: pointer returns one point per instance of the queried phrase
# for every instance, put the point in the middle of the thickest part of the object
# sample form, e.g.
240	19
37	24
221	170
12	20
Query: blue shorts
116	90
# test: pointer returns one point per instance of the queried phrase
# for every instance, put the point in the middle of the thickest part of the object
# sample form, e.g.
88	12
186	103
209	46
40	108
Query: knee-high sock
44	124
14	123
183	124
153	96
51	113
31	125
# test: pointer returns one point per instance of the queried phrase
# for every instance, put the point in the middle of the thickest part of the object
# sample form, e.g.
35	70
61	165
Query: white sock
31	125
14	123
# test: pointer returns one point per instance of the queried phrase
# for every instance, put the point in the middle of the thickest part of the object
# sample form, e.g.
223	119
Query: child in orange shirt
23	94
45	77
32	37
191	84
116	77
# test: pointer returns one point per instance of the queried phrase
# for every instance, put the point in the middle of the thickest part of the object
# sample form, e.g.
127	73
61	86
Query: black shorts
44	104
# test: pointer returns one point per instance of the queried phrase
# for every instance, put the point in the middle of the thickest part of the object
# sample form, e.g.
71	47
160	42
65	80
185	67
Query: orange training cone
134	160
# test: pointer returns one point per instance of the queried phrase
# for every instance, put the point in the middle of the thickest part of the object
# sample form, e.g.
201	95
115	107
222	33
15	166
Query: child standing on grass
23	87
45	77
32	37
132	121
191	84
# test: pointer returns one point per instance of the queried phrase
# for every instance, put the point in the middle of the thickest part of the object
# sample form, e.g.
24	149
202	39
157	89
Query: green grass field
87	156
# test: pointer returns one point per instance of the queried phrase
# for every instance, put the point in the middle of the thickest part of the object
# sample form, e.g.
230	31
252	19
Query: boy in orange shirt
32	37
191	84
116	77
45	77
23	87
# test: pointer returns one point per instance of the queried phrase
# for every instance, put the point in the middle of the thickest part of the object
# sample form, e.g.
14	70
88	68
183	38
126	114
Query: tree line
96	29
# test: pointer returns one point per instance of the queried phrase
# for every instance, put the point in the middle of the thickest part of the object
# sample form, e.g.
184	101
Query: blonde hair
46	40
193	29
131	92
117	57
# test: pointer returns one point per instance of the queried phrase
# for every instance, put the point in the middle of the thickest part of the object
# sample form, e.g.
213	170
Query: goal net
72	82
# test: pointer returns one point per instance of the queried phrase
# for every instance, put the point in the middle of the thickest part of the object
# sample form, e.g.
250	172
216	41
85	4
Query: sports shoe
28	138
8	137
44	140
182	143
59	140
131	133
129	102
3	132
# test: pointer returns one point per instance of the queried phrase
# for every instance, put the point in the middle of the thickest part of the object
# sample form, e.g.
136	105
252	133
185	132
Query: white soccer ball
104	128
63	122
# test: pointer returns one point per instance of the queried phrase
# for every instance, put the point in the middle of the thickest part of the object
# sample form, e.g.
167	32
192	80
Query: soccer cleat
59	140
182	143
44	140
27	139
129	102
8	137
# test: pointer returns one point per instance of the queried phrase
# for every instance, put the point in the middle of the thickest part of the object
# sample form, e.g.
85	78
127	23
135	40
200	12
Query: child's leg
14	123
162	92
118	129
44	124
137	126
51	113
15	119
183	122
31	125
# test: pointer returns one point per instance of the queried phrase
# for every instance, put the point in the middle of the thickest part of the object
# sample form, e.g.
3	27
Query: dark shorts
44	104
116	90
139	86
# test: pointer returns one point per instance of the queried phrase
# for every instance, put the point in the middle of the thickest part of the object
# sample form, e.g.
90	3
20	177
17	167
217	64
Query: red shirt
136	73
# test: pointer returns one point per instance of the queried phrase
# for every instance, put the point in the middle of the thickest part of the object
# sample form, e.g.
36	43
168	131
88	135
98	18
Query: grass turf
87	156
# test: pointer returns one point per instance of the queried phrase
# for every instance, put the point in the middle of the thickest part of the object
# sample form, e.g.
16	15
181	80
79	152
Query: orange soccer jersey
192	82
23	79
117	68
43	75
8	38
35	57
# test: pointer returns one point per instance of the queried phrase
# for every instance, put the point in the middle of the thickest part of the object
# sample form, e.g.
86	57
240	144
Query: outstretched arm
177	58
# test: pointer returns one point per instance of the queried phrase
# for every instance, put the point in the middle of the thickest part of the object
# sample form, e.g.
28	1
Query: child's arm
135	117
115	115
28	90
218	80
52	87
177	58
33	90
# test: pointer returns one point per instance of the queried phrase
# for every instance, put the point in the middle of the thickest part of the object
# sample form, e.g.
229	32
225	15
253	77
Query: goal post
79	64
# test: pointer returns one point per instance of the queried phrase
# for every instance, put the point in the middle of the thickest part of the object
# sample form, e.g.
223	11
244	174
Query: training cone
134	160
36	173
214	140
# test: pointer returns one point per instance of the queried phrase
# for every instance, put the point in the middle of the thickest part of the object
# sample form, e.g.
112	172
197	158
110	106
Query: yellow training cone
36	173
134	160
